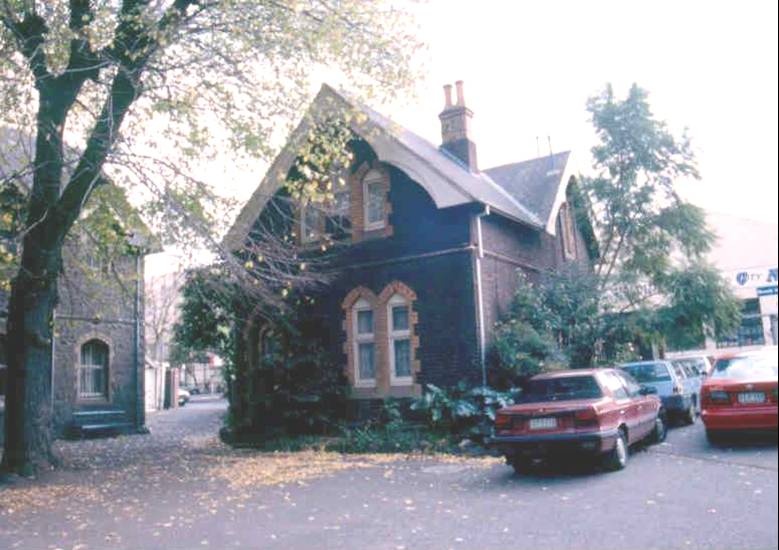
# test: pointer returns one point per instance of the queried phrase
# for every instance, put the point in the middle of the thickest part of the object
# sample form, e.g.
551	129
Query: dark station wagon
566	415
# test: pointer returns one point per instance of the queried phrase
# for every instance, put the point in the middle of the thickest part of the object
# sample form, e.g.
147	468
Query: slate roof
526	192
479	187
534	182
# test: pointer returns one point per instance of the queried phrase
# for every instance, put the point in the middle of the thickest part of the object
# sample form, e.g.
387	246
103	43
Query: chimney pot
460	96
447	95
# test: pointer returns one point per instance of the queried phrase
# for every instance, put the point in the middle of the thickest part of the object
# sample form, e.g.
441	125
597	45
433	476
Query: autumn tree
145	93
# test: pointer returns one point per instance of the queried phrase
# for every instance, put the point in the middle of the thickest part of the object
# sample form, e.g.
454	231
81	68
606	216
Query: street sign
766	290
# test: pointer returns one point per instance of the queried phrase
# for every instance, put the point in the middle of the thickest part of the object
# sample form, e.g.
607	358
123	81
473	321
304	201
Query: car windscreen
648	372
746	368
562	389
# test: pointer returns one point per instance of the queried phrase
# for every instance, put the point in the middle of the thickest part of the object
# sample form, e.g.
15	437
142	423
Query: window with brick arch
399	334
364	344
93	370
374	199
568	233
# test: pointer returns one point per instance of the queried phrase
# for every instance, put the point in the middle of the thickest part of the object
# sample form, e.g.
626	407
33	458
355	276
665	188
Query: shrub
461	410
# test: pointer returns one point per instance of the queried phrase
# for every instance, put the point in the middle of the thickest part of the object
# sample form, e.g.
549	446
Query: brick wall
445	339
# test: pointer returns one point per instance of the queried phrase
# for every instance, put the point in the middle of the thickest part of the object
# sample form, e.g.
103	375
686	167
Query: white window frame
568	231
92	369
393	335
373	177
369	338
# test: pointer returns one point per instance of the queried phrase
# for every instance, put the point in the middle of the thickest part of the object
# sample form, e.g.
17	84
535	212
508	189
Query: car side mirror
648	390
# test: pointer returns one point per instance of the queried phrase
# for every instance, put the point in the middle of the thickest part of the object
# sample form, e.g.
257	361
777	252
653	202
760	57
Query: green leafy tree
293	385
652	243
147	93
649	281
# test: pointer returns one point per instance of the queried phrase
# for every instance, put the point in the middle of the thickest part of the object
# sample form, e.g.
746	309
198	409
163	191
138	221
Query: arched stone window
374	195
364	344
399	335
93	370
567	231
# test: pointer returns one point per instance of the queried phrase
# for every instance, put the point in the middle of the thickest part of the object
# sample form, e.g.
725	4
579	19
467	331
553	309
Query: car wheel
714	437
690	414
659	432
521	465
617	458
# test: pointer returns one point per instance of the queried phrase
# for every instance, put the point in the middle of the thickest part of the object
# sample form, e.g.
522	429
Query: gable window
311	220
93	370
399	325
364	350
338	222
567	230
374	198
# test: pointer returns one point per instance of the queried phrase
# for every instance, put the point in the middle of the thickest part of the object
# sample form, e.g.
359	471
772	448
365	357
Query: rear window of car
746	368
562	389
648	372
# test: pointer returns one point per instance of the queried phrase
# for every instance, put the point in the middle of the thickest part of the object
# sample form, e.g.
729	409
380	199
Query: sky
529	67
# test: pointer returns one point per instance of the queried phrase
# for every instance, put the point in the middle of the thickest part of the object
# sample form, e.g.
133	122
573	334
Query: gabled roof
445	178
535	183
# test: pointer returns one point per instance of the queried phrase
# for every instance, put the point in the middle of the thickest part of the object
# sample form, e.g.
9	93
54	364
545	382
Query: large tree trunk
28	414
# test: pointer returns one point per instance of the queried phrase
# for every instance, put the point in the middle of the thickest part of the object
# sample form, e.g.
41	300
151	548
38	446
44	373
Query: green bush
462	411
518	352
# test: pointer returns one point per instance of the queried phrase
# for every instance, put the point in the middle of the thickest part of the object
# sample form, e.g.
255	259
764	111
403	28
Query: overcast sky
529	67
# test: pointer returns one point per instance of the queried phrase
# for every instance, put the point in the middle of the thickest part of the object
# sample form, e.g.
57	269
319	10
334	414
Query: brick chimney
455	127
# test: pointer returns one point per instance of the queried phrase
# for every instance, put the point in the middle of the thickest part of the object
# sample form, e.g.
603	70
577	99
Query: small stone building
98	348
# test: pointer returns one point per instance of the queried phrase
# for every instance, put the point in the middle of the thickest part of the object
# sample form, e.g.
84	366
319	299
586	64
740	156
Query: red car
595	412
740	394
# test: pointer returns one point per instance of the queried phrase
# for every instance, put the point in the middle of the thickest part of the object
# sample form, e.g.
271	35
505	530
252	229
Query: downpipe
480	296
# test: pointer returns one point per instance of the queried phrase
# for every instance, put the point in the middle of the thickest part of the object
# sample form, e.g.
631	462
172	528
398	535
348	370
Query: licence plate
751	397
543	423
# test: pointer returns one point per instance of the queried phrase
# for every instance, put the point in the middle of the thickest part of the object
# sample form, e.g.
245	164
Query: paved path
180	488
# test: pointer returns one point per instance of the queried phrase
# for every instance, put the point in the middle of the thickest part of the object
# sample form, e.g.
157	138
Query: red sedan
740	394
596	412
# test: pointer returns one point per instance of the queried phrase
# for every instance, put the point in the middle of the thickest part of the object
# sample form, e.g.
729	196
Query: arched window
311	224
93	370
567	230
399	334
267	342
364	344
374	198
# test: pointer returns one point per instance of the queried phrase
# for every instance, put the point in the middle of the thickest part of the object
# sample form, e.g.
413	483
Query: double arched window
93	369
381	344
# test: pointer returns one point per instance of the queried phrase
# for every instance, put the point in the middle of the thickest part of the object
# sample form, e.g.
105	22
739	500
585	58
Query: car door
647	406
681	375
627	407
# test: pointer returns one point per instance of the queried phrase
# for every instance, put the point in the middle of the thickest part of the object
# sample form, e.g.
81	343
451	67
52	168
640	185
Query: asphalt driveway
181	488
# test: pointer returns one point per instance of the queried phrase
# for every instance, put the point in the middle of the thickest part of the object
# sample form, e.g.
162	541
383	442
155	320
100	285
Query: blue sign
766	290
742	278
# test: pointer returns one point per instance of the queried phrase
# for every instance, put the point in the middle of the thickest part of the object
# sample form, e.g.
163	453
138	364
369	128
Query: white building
746	252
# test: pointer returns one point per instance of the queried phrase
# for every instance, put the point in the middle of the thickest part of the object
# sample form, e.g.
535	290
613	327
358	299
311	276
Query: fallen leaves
17	499
284	468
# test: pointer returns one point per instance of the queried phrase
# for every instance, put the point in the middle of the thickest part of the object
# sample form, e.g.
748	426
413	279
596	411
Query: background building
746	253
